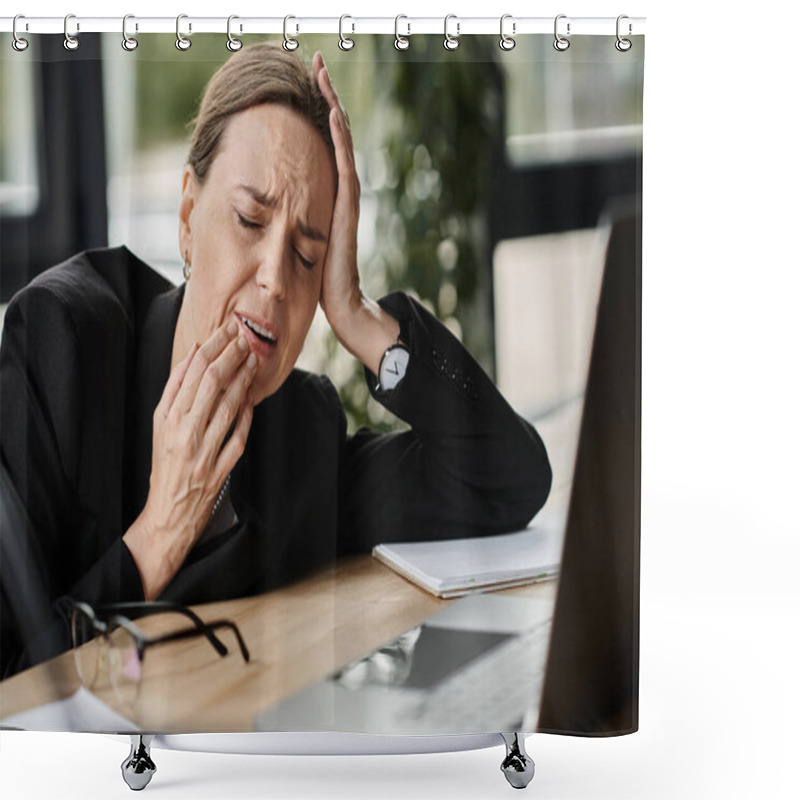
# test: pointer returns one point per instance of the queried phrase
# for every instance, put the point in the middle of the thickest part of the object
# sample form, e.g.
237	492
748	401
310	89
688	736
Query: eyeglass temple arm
207	630
162	606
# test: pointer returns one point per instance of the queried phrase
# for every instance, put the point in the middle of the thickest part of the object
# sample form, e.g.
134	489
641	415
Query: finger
207	353
345	161
326	86
216	382
210	439
234	447
331	95
317	63
229	407
174	383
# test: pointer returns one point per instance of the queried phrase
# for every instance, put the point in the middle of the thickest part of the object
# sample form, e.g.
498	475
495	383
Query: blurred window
580	105
145	148
19	168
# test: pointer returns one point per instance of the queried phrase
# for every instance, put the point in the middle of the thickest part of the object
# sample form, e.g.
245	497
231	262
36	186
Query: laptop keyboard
494	692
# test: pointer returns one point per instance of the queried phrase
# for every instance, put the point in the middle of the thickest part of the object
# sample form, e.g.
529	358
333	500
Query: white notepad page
458	566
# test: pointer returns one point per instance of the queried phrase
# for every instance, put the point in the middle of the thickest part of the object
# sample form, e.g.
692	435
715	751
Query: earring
187	267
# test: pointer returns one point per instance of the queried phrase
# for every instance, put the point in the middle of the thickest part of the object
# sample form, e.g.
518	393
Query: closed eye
249	224
246	223
304	261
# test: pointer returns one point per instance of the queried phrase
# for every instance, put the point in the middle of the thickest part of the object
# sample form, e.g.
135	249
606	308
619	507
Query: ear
191	188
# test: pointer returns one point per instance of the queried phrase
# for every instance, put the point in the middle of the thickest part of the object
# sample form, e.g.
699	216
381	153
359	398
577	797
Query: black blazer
85	356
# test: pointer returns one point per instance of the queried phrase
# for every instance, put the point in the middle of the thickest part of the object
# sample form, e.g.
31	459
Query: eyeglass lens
124	663
103	658
86	647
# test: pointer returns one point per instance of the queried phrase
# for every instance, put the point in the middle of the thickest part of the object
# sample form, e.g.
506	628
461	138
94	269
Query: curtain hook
623	45
451	42
70	42
182	43
233	44
129	43
507	42
290	44
561	43
401	42
345	42
18	43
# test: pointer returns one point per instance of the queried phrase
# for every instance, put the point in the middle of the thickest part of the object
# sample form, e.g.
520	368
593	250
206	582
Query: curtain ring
18	43
345	42
507	42
290	44
451	42
560	43
182	43
623	45
233	44
401	42
129	43
70	42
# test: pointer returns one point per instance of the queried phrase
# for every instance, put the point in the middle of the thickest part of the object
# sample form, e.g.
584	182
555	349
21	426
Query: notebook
456	567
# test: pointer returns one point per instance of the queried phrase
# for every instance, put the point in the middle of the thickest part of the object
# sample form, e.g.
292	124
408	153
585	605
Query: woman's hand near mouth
206	395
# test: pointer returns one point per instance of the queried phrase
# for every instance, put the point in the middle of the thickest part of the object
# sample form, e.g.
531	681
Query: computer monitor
591	683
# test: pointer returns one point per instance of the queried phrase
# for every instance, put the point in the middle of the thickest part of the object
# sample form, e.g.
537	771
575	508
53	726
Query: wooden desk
296	636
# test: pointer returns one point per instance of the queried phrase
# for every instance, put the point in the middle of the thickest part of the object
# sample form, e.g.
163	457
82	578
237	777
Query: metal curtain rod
347	25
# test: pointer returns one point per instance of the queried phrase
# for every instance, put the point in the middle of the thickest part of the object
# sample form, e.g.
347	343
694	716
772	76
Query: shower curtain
440	537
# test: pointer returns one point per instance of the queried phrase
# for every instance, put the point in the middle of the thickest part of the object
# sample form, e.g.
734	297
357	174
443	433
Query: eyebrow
263	199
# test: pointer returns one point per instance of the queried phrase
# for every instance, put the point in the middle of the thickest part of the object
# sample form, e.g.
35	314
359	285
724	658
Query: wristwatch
393	367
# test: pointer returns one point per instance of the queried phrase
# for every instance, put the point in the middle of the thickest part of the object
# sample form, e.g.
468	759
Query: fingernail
242	342
251	360
231	328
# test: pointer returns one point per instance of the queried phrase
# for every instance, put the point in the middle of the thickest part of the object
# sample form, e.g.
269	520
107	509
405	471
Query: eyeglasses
103	637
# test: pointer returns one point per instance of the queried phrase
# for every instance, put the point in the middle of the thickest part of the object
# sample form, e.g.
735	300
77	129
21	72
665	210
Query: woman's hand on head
358	322
341	287
206	395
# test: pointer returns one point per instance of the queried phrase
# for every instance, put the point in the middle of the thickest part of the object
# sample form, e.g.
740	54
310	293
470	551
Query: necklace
220	497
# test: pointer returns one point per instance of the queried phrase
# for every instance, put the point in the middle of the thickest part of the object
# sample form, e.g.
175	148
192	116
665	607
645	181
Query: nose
272	267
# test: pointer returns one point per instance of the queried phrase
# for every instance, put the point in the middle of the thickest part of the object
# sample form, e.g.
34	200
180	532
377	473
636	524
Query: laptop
476	666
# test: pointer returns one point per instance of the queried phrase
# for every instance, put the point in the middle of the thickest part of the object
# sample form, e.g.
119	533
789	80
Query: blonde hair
258	73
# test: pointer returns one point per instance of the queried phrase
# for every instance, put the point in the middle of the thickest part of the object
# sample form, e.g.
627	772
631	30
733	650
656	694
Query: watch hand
394	371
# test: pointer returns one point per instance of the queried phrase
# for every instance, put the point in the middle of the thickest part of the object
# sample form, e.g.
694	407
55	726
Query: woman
161	439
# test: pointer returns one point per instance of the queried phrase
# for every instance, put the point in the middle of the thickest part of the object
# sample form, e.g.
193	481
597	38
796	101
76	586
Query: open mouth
261	333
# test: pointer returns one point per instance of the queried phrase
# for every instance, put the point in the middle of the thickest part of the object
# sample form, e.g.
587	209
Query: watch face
393	366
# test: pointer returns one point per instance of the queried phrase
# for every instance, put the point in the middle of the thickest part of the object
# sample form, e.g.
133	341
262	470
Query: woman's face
257	233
